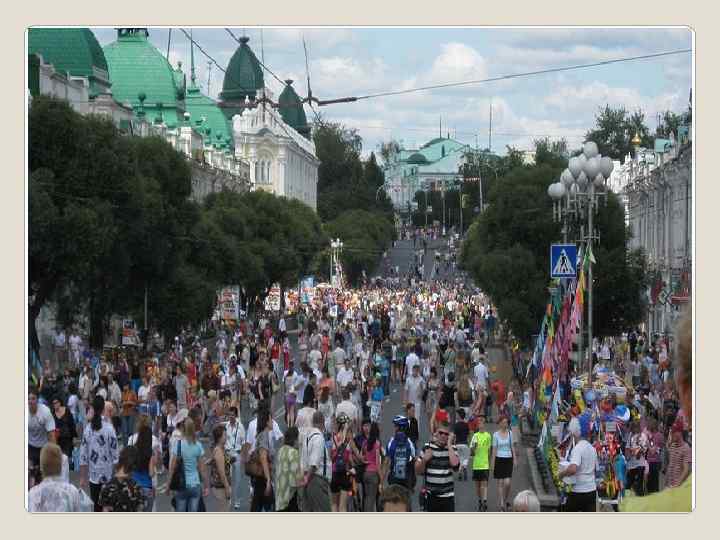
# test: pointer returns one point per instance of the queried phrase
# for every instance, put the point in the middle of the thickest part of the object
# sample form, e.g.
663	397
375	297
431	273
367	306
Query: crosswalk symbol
563	259
563	265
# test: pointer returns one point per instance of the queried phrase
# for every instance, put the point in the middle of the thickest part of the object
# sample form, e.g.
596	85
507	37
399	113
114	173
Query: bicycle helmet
401	421
342	419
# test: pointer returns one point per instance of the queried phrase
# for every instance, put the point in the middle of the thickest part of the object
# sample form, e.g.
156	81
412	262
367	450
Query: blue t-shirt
503	445
621	470
378	394
191	454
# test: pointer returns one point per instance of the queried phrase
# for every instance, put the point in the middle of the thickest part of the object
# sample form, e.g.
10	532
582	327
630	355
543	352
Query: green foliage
365	236
614	130
507	252
350	190
110	216
669	123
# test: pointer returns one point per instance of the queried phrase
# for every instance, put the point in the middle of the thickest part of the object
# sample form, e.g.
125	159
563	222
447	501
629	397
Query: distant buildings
433	166
656	185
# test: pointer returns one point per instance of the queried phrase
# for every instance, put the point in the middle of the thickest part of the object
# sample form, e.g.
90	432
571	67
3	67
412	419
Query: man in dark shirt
461	429
413	430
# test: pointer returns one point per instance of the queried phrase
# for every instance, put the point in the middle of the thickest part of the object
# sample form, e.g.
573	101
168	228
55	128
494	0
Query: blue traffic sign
563	260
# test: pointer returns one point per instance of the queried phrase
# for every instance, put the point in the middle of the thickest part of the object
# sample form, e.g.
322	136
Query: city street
507	212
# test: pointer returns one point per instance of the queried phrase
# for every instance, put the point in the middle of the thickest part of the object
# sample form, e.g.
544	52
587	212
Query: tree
388	149
347	185
614	130
365	235
80	177
669	123
553	153
507	252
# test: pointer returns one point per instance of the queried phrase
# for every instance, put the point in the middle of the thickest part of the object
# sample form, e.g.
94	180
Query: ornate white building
275	142
657	184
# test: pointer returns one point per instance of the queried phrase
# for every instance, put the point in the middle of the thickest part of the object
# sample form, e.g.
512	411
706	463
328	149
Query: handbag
253	467
177	482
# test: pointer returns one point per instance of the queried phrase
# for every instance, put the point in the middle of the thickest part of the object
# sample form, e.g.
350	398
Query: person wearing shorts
480	445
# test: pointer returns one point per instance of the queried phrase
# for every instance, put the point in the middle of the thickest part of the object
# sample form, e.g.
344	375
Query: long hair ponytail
98	410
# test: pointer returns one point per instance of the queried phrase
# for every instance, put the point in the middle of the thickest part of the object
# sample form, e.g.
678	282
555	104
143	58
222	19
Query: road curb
549	502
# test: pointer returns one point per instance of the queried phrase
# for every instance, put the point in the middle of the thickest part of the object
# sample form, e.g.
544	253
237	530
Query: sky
360	61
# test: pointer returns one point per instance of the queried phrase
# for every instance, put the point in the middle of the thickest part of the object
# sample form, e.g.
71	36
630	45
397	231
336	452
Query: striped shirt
678	455
438	474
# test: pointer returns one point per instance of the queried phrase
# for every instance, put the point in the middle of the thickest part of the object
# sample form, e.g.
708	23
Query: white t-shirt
348	408
143	392
251	436
314	358
481	374
344	377
414	389
410	361
39	425
584	456
59	340
235	436
75	342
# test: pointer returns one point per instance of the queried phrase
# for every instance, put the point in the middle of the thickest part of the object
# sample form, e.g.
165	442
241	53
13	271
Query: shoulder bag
177	482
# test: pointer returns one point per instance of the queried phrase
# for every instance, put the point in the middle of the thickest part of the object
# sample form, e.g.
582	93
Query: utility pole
443	203
490	129
167	56
209	70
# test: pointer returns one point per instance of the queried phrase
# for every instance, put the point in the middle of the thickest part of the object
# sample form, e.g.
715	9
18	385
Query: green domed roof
291	110
72	50
203	108
417	158
136	66
243	76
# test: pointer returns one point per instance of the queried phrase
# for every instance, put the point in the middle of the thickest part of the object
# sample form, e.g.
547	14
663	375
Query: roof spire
192	59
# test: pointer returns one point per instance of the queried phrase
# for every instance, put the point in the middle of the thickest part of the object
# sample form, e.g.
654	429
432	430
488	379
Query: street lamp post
336	247
576	196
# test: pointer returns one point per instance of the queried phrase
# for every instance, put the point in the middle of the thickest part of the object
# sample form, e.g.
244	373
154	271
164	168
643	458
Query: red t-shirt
499	388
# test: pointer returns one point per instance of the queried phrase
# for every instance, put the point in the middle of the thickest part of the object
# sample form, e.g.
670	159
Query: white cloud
457	62
338	76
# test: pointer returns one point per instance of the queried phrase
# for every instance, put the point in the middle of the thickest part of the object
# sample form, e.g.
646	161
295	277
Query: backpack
399	466
339	461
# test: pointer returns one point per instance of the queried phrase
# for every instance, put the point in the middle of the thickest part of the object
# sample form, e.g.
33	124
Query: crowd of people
200	420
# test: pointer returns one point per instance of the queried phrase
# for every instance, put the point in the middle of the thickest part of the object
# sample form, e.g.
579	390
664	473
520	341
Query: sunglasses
444	433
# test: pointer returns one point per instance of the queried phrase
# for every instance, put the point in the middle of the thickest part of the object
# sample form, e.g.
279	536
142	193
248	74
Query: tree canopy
110	217
507	251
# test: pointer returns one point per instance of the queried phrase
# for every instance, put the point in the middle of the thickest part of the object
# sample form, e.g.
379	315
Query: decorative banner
229	303
307	289
129	332
272	301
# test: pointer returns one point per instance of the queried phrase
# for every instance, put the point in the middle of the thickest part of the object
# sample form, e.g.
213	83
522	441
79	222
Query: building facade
131	83
433	166
276	142
657	184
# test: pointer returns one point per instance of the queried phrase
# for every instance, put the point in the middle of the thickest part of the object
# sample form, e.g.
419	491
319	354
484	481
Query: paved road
465	498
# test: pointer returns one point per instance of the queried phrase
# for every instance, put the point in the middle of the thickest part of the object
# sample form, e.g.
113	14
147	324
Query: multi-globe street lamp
576	198
336	247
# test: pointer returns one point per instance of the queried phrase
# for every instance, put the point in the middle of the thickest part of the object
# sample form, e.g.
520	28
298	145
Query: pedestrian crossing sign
563	260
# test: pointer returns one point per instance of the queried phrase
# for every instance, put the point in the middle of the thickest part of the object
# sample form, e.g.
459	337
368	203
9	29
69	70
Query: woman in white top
501	462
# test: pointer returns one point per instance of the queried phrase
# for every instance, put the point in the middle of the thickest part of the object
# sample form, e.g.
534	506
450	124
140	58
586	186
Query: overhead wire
525	74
